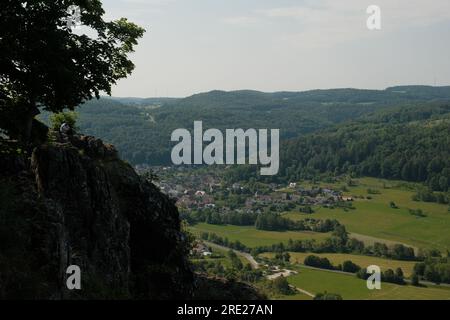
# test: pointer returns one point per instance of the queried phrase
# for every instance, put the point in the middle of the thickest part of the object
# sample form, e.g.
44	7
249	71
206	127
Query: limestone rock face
78	204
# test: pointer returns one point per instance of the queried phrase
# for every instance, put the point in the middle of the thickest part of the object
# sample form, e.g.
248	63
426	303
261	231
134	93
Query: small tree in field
45	64
281	285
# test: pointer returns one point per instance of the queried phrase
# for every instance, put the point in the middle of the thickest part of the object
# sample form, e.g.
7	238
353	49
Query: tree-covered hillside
141	128
410	143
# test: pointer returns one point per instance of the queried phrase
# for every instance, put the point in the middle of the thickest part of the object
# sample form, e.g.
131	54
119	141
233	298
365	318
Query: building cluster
198	190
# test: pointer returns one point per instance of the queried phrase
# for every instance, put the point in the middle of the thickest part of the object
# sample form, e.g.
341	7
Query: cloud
136	9
324	23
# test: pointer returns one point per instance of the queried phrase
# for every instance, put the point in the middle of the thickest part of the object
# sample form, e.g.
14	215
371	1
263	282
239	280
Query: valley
364	180
375	212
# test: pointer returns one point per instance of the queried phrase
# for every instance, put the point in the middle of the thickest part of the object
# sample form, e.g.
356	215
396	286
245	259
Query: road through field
255	265
246	255
304	292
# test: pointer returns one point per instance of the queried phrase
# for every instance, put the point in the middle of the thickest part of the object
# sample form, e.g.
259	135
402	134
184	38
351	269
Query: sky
194	46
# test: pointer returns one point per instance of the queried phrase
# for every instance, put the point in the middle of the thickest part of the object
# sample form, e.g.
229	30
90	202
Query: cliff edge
78	204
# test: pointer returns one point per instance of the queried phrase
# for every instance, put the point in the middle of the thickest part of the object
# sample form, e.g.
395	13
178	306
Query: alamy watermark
73	281
231	151
374	19
374	280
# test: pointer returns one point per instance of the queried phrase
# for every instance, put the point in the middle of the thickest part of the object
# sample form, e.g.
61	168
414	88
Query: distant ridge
141	128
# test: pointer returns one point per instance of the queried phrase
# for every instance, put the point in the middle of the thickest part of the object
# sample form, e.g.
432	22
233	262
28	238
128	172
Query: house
200	193
347	199
202	249
293	185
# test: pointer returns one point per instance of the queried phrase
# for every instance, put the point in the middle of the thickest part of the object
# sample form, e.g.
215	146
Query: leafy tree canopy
45	63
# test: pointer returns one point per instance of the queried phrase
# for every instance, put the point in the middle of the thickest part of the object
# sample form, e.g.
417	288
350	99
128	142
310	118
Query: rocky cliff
78	204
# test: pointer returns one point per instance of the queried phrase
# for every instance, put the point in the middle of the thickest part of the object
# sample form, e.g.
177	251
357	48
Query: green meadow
251	237
362	261
352	288
375	218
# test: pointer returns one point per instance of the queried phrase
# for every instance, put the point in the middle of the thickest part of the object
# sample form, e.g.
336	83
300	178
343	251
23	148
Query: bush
281	285
362	274
393	277
57	119
317	262
349	266
328	296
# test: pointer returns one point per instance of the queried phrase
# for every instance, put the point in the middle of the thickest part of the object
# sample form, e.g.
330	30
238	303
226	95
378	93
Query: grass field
377	219
251	237
362	261
352	288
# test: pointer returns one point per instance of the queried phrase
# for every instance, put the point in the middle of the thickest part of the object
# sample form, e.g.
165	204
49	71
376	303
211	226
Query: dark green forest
141	128
411	143
398	133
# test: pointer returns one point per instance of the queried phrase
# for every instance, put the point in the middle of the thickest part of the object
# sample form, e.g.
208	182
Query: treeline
141	128
270	221
212	216
324	263
426	195
412	151
389	275
223	241
436	270
339	242
336	244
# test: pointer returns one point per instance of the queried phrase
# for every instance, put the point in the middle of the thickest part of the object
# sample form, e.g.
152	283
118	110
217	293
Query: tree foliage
412	151
44	63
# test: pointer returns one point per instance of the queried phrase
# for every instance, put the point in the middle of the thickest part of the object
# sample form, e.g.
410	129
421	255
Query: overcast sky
193	46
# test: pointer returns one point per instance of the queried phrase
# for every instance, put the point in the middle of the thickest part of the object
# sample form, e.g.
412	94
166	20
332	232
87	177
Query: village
200	189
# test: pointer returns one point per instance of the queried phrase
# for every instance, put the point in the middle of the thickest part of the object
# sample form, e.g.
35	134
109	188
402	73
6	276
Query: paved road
304	292
246	255
255	265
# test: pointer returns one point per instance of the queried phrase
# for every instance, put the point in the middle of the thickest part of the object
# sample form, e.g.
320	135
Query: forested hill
409	143
141	128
